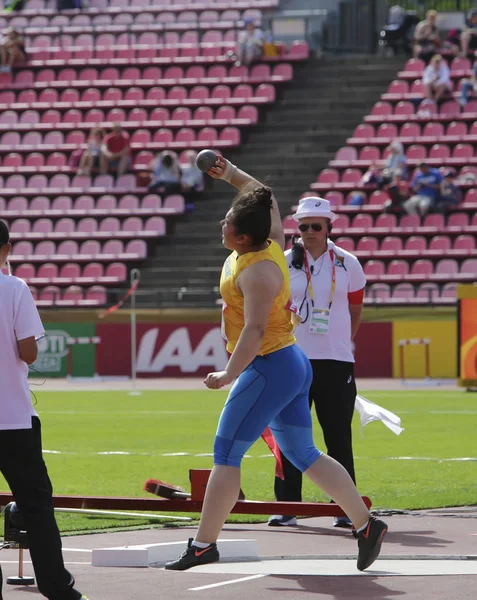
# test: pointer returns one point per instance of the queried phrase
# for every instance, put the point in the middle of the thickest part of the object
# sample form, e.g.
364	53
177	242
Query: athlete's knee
302	458
228	453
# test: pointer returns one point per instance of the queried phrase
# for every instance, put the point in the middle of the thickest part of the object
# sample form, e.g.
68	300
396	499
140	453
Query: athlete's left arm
357	283
259	285
355	311
276	231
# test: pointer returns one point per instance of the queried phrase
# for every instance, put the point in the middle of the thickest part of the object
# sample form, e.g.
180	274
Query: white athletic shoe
280	520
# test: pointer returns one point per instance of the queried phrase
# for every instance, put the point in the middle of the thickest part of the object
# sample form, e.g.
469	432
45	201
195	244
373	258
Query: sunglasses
315	226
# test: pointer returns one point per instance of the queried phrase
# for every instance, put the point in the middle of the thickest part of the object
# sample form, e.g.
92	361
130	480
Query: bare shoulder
265	277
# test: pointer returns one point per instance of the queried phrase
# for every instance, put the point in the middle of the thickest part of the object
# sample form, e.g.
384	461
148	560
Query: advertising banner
195	349
52	358
467	332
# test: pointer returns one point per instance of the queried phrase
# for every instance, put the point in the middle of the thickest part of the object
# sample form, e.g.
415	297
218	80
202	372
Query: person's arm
357	283
105	151
224	169
355	311
28	350
259	285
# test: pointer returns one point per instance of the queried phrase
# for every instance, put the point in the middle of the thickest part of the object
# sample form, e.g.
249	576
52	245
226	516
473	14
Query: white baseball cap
313	206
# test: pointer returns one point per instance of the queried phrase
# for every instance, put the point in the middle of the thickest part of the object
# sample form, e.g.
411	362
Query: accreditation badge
320	321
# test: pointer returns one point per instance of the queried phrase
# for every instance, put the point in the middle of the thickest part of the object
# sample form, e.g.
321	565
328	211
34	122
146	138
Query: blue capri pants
272	391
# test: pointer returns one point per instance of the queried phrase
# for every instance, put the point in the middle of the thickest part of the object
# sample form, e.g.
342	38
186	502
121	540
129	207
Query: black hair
167	160
251	213
4	233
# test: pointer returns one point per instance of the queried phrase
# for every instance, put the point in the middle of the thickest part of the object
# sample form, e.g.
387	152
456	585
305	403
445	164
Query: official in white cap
21	460
327	284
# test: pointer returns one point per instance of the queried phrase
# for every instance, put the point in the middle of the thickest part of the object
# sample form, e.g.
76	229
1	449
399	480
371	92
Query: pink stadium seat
351	176
347	153
398	268
151	201
404	108
91	95
387	222
143	159
464	242
54	138
93	271
434	221
113	248
227	113
464	151
141	137
186	136
367	244
9	117
370	154
246	112
18	204
73	116
132	225
403	291
62	203
450	108
87	225
35	159
117	271
175	202
346	243
440	151
458	220
363	221
378	197
335	198
126	182
72	295
90	248
379	292
26	97
60	181
447	267
422	267
96	294
40	203
449	291
106	202
341	222
38	182
457	129
460	64
409	222
57	159
415	65
32	138
415	243
129	202
133	93
416	152
104	181
228	134
382	109
85	203
138	115
70	271
204	113
67	248
417	88
411	130
387	131
24	249
469	267
364	131
428	291
15	182
110	225
47	271
440	243
13	160
94	116
50	294
163	136
65	225
137	247
25	271
181	113
433	130
12	139
398	87
391	244
374	268
156	224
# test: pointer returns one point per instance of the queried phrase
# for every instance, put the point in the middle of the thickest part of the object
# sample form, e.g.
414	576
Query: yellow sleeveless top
279	331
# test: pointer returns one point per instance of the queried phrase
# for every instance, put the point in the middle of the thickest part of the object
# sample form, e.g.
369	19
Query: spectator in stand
436	79
450	195
250	44
426	187
452	42
91	156
192	180
166	174
12	50
468	38
426	37
394	170
469	85
115	152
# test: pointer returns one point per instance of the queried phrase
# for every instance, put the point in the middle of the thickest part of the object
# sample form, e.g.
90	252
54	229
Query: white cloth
254	39
368	411
19	319
441	76
337	344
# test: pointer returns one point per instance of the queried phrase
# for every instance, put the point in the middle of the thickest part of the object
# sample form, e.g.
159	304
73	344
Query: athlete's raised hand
218	171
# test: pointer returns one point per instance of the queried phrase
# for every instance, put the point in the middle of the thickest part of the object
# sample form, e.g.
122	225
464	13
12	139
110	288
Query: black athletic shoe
193	557
369	542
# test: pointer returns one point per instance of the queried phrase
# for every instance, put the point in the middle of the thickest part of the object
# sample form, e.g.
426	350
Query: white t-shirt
441	76
336	345
19	319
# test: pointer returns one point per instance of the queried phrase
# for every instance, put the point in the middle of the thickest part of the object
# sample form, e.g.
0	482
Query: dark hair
251	212
4	233
167	160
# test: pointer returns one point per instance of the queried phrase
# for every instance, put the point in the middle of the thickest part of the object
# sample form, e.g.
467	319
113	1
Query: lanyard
308	277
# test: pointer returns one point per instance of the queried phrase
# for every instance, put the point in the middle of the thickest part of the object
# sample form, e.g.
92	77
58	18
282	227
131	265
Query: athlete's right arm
224	169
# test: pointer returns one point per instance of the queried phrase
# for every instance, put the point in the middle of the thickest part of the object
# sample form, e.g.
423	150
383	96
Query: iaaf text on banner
165	349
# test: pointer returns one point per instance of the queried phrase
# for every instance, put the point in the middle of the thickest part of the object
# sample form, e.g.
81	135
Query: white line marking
77	550
214	585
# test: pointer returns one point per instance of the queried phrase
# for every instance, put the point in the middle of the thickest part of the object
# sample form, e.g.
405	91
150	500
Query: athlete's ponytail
251	210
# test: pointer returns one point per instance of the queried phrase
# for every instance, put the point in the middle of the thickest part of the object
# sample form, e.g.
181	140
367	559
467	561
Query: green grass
80	425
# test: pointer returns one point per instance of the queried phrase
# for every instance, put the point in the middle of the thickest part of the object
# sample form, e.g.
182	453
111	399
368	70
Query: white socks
200	544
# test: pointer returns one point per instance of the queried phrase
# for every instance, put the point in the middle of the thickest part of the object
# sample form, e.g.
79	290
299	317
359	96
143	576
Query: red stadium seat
464	242
364	131
433	130
410	130
422	267
346	243
117	271
367	244
382	109
415	243
403	291
440	243
398	268
374	268
391	244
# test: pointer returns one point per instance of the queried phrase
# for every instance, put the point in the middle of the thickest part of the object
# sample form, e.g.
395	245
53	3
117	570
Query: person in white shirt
250	44
436	78
327	285
21	460
192	179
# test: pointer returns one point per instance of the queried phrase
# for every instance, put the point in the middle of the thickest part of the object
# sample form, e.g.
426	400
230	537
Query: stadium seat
403	292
